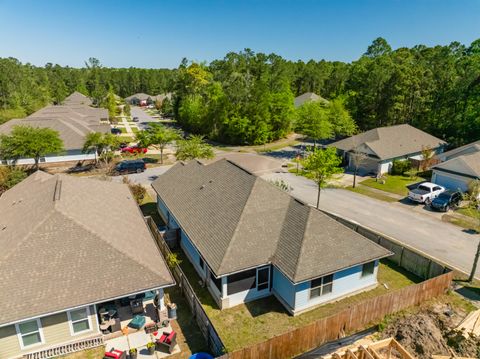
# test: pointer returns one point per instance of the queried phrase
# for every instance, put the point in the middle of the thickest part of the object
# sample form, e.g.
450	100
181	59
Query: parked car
115	131
446	200
425	192
132	166
133	149
135	119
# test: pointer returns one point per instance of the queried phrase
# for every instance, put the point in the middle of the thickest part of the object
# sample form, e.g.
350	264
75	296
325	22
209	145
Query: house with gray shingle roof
383	145
247	239
77	98
459	171
65	255
308	97
72	122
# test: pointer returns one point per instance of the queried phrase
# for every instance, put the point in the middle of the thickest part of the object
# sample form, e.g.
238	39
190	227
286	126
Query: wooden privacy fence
206	327
353	318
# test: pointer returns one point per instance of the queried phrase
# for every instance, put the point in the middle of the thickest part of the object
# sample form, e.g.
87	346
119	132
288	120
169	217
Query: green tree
313	122
10	176
126	109
167	107
30	142
193	147
102	144
321	165
159	136
341	121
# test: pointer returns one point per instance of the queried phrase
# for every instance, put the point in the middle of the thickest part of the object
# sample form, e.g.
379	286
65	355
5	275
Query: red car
133	149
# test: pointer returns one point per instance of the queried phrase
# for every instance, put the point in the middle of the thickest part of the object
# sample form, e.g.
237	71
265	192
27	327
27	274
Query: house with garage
459	171
381	146
71	267
73	123
247	239
459	151
308	97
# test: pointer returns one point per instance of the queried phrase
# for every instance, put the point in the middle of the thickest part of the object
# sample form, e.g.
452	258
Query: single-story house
77	98
68	254
73	123
457	172
307	97
143	99
459	151
381	146
247	239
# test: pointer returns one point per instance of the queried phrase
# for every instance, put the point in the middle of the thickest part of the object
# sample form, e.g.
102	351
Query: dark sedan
446	200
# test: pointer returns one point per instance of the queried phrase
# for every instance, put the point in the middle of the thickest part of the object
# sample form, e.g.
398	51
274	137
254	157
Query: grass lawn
149	208
267	317
470	212
275	146
95	353
365	191
393	184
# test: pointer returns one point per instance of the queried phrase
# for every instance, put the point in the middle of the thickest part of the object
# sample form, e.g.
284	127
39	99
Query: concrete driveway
444	241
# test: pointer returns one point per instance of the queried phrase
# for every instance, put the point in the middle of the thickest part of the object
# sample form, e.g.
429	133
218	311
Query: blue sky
160	33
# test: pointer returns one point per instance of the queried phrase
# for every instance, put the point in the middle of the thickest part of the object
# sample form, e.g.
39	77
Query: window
79	320
201	262
367	269
241	282
30	333
42	160
321	286
263	275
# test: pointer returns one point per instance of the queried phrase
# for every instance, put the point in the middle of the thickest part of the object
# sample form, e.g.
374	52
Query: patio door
263	278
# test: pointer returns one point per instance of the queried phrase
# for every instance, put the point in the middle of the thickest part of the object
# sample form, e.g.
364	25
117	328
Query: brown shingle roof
237	221
69	241
390	142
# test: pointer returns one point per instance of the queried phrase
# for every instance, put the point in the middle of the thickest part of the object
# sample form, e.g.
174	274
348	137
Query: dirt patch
429	331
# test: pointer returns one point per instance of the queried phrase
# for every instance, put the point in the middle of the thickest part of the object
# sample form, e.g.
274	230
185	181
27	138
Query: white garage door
451	183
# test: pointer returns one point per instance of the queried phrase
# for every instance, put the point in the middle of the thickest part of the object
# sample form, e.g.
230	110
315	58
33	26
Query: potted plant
133	353
151	348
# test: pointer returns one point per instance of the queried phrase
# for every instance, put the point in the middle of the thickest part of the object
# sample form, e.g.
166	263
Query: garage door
368	165
450	182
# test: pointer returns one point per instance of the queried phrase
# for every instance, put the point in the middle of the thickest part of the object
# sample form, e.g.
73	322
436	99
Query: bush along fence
404	256
206	327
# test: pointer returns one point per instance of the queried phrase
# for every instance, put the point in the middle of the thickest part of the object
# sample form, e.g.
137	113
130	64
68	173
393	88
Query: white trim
20	338
83	305
70	321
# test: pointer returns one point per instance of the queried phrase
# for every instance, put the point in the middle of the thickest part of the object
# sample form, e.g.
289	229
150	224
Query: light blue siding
283	287
345	283
166	215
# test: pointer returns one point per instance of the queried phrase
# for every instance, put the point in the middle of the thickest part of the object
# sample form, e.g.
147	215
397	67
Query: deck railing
68	348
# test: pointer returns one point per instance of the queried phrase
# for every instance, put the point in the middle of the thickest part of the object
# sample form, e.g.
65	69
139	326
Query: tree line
247	97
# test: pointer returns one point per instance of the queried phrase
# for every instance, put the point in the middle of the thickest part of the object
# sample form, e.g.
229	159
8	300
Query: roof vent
202	186
4	228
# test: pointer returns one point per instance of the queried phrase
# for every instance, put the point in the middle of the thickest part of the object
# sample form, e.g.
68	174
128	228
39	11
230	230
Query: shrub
399	167
138	191
173	261
10	176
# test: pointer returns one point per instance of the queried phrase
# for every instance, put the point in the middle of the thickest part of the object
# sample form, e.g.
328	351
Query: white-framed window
321	286
368	269
30	333
79	320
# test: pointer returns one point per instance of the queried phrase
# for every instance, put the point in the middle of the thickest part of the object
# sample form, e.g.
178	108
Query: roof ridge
302	245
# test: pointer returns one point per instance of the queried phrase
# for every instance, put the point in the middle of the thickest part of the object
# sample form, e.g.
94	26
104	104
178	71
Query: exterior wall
56	330
450	180
385	167
167	217
283	289
345	283
247	295
71	155
192	255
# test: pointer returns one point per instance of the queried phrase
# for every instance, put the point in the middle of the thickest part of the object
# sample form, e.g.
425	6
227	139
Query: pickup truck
425	192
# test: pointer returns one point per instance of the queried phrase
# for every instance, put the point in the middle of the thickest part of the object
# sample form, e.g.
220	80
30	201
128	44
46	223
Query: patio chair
167	341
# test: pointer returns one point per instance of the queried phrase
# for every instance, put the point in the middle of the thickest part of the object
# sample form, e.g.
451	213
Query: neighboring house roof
140	96
390	142
238	221
467	165
466	149
77	98
306	97
69	241
72	123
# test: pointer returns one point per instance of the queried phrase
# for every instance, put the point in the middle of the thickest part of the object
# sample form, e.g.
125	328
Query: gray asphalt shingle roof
77	98
237	221
306	97
390	142
468	164
69	241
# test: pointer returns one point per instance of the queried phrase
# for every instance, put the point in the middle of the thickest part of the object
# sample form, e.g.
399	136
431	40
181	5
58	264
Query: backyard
259	320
